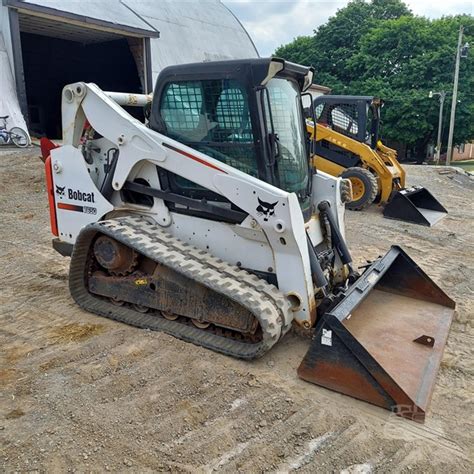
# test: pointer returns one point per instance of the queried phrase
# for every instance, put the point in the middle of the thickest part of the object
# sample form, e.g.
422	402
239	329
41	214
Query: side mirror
306	100
310	114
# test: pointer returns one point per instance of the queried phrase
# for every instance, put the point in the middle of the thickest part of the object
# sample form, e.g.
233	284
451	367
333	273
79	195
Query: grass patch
75	332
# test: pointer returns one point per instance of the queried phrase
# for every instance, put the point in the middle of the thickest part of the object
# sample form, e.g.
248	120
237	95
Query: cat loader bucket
415	205
383	342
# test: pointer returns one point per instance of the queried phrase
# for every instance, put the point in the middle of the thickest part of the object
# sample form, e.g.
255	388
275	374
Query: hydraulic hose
338	241
316	271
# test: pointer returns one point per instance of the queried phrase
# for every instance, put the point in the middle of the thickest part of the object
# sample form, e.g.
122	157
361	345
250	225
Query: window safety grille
343	118
213	117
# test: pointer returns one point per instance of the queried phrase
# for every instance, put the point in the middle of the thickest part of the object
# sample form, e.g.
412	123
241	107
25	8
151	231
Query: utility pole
454	99
442	96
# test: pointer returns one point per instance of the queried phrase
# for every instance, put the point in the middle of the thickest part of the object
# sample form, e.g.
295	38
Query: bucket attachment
415	205
383	342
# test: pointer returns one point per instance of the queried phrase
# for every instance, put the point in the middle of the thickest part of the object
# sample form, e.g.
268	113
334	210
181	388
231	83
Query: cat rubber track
267	304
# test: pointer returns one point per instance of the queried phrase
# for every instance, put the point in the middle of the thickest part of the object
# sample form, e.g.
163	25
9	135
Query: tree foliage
380	48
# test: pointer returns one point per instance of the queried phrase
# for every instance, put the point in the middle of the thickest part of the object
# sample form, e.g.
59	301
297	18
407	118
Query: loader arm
390	157
284	228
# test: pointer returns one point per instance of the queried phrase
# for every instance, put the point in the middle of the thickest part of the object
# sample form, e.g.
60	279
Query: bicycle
15	135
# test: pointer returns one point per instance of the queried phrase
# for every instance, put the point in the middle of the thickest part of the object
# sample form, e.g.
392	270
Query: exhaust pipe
383	342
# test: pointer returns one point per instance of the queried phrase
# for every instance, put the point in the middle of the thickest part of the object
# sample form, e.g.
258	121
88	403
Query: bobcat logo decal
266	208
60	190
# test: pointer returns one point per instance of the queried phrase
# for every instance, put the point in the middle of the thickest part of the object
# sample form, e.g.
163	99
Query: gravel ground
79	392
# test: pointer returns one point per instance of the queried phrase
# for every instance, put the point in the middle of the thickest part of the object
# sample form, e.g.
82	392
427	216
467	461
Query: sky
272	23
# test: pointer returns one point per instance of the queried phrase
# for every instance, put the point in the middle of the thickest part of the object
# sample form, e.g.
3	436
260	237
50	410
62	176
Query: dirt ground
82	393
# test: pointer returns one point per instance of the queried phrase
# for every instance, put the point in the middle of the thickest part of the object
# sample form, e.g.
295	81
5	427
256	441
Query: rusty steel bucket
383	342
416	205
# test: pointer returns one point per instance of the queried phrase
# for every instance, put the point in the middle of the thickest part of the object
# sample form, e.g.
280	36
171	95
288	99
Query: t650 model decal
74	207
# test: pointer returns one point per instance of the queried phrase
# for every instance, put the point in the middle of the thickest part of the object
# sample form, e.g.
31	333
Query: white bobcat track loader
210	224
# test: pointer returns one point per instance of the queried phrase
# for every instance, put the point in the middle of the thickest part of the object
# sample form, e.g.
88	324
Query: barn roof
188	31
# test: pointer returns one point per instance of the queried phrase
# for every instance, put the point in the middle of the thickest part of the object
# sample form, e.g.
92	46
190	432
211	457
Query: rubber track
263	300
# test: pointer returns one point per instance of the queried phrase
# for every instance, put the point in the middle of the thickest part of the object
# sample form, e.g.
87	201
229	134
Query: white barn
120	45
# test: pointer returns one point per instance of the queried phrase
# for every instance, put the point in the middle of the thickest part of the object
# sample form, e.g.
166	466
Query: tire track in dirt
126	399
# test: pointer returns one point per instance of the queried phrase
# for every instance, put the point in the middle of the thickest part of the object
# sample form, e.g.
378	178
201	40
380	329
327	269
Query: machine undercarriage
132	271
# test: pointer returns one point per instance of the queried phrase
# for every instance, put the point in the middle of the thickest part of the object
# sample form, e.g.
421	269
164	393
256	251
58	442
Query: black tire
19	137
364	186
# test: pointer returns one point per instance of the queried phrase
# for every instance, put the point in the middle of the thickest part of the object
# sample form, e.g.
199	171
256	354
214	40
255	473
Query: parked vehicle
212	227
347	144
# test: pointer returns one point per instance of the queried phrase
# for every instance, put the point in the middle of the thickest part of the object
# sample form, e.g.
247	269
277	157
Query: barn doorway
55	54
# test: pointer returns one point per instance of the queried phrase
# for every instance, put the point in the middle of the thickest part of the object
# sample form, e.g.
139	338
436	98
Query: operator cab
245	113
357	117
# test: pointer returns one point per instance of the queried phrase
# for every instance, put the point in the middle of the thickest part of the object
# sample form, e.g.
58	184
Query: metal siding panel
106	10
197	34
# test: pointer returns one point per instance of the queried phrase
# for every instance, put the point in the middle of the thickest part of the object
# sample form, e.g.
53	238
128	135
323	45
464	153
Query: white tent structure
8	99
121	45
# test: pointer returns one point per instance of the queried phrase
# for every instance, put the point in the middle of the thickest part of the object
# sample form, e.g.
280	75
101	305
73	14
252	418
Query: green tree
399	57
402	60
335	42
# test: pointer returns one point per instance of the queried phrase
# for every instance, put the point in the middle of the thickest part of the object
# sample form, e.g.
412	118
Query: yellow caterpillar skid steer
348	145
209	224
